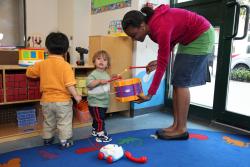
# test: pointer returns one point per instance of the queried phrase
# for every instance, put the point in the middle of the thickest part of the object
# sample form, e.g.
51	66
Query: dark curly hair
57	43
134	18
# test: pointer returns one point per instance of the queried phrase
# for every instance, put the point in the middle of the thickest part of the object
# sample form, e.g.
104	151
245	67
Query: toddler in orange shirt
57	84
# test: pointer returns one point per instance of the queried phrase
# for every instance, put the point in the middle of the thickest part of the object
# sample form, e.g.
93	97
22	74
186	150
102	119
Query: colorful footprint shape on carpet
235	142
130	140
47	155
197	136
15	162
94	147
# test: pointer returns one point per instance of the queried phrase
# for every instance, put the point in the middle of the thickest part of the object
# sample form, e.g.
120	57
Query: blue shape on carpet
204	148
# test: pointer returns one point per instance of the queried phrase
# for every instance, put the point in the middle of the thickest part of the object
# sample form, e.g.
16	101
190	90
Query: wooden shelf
12	67
17	67
18	102
10	131
86	66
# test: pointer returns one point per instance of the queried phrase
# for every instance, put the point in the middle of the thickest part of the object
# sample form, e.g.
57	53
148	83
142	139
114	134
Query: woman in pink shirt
195	38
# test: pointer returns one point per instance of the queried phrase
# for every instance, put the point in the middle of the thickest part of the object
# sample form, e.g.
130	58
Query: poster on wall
99	6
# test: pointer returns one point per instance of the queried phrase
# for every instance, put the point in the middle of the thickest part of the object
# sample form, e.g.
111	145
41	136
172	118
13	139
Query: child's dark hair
101	53
134	18
57	43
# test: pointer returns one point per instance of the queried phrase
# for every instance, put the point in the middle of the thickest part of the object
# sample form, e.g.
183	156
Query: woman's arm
162	61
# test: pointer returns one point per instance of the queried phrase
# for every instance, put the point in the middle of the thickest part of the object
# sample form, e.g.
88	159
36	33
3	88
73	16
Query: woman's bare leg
181	107
174	125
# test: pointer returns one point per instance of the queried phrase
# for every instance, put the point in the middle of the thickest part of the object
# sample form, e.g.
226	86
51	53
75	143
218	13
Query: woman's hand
151	66
143	98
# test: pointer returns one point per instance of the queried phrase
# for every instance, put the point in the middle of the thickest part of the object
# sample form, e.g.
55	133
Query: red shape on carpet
198	136
95	147
47	155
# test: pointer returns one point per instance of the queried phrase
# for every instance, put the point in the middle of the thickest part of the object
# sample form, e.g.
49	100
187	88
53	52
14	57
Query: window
180	1
12	23
248	48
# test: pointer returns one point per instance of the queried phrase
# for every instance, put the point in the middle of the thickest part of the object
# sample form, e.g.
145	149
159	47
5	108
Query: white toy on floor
111	152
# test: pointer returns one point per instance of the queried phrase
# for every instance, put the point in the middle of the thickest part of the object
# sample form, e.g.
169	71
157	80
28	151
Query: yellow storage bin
81	82
84	91
79	91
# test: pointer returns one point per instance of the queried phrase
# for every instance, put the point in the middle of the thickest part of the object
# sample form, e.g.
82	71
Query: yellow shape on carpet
235	142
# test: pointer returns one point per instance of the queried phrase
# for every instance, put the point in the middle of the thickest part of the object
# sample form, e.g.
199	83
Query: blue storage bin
26	117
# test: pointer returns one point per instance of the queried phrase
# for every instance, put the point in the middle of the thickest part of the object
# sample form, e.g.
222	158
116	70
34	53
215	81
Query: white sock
63	141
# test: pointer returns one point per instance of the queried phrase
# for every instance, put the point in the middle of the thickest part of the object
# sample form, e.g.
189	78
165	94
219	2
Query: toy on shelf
81	52
29	56
81	86
34	41
111	152
115	28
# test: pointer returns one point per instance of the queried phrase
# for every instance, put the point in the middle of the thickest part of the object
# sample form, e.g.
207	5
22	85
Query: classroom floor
115	124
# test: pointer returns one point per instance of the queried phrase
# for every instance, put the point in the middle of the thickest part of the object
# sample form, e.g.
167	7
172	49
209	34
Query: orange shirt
55	76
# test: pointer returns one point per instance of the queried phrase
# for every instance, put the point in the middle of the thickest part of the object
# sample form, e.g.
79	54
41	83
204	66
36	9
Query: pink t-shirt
169	26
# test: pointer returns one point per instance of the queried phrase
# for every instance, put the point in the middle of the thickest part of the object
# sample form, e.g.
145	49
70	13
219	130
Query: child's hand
103	81
115	76
78	98
151	66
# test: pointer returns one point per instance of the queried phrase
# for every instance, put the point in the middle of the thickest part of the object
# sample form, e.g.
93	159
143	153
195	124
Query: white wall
82	25
70	17
66	21
41	17
66	17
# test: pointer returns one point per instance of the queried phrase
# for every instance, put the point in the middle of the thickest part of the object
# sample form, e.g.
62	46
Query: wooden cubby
8	129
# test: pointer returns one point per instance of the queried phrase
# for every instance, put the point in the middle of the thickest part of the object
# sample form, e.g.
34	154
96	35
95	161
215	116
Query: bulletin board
98	6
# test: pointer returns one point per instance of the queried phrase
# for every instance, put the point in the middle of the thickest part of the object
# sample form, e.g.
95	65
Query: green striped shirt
98	96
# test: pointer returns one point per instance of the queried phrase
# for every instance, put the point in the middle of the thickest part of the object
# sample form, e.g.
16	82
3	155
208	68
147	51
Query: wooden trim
17	67
4	88
34	133
17	102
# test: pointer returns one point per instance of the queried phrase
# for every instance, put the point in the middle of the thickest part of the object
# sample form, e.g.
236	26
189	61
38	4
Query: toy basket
82	112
